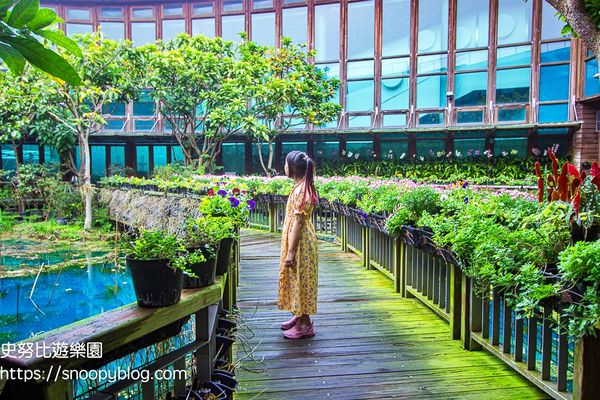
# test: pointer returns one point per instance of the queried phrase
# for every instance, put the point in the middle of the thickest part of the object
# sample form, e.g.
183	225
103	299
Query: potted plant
157	279
202	248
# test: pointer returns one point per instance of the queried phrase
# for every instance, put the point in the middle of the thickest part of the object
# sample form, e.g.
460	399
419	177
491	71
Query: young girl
298	268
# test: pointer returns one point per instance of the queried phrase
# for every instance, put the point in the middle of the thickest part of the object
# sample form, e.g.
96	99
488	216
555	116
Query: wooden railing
181	337
536	348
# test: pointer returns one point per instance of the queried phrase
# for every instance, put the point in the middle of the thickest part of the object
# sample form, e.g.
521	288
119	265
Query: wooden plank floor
370	342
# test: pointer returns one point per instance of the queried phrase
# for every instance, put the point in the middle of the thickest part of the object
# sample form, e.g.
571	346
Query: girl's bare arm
294	238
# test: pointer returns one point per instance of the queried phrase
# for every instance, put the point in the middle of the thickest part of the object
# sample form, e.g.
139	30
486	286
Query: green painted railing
534	347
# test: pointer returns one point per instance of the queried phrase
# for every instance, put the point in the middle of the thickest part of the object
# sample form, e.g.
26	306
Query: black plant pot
579	235
205	271
378	221
410	236
224	255
223	345
155	283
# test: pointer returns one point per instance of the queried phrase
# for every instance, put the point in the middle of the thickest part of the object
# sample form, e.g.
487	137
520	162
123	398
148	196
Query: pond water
88	286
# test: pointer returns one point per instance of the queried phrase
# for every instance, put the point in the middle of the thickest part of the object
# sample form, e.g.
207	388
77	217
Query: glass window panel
295	24
160	155
262	4
431	118
51	156
470	147
31	154
512	86
428	148
469	117
471	60
394	149
504	146
114	109
202	9
592	83
172	28
142	158
558	142
512	56
98	158
555	51
512	114
287	147
117	155
396	27
554	82
78	29
233	5
177	155
145	125
361	20
111	12
472	24
327	150
293	1
232	25
143	32
394	94
433	25
394	120
173	10
9	161
359	69
333	69
395	66
359	96
470	89
234	158
77	160
514	21
78	13
145	105
256	165
327	32
431	91
142	13
359	121
363	148
114	124
553	113
551	24
113	30
204	27
263	29
434	63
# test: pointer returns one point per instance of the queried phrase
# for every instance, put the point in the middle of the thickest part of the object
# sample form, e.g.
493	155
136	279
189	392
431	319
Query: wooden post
206	354
455	301
400	266
344	233
465	314
475	315
179	381
586	385
272	217
366	244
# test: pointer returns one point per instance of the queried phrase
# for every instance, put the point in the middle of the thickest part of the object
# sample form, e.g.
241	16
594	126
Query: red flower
211	192
235	191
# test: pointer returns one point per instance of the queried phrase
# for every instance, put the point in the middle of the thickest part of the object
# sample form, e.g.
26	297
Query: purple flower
251	204
464	185
234	202
466	201
222	192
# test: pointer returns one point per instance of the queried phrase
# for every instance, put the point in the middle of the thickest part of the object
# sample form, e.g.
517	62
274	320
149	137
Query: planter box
378	222
360	217
279	199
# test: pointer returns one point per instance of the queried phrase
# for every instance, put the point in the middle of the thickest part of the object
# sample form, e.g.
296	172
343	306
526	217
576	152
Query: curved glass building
418	75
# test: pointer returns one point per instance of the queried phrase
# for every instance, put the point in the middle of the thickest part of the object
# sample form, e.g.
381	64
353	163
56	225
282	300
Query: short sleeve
301	207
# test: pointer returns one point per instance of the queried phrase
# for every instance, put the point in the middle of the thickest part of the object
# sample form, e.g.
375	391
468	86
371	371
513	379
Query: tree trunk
260	157
271	156
87	191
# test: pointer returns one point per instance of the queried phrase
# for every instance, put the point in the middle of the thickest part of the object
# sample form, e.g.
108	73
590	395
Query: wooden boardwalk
370	342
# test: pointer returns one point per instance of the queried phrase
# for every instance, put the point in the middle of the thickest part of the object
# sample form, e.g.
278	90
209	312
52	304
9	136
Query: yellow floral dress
298	284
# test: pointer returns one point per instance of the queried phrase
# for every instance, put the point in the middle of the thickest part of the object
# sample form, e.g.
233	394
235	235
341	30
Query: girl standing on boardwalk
298	269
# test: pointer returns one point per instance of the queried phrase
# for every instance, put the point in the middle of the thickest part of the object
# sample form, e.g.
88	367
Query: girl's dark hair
300	165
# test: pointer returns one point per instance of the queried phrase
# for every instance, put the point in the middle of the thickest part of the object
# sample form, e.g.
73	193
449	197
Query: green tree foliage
200	84
210	89
294	92
19	27
79	111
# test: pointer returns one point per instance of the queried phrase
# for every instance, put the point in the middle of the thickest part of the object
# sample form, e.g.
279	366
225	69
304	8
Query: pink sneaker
298	332
289	324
